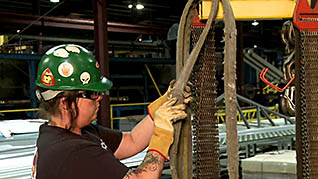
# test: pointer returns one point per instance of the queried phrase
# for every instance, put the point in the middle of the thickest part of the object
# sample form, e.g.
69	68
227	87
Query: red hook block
305	18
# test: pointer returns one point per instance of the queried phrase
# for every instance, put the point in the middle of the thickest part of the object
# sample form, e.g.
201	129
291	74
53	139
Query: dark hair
51	107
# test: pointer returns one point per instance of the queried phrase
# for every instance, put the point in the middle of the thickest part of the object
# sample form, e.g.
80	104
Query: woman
70	88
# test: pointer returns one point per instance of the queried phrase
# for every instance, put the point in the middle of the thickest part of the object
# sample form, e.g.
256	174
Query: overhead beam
14	18
113	43
253	9
36	57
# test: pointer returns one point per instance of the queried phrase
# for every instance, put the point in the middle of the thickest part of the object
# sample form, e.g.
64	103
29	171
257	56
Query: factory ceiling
74	18
28	21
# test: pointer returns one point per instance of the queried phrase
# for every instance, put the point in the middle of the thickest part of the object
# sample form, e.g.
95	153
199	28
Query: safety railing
115	110
29	112
258	113
260	110
250	114
118	108
19	110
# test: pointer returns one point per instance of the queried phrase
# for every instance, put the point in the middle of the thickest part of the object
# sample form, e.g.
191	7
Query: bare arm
137	140
151	167
161	139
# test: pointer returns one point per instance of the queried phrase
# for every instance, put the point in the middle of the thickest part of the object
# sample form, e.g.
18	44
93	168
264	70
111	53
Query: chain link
288	37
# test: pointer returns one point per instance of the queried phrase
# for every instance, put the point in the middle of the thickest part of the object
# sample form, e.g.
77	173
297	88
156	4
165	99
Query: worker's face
87	108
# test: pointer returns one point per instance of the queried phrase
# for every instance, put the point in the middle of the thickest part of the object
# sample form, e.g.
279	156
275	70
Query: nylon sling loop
185	63
230	90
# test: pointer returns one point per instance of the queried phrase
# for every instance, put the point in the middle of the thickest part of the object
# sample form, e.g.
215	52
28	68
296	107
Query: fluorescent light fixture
147	41
54	1
140	6
255	23
130	6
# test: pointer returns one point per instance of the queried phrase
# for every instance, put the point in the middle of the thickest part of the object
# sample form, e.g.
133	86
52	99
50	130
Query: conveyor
282	136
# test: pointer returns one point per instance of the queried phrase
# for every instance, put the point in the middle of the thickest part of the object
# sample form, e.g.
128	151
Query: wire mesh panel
308	100
206	162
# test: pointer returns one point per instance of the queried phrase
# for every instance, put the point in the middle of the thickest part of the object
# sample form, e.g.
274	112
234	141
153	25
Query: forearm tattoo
152	163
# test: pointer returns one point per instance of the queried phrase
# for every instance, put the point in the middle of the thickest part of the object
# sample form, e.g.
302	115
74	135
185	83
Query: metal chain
288	37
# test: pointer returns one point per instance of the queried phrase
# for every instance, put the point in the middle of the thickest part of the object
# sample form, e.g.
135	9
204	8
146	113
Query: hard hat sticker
97	64
85	77
72	48
65	69
47	78
61	53
53	50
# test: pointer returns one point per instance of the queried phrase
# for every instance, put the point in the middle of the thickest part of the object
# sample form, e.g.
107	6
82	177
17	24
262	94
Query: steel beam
88	24
32	78
8	56
251	9
101	53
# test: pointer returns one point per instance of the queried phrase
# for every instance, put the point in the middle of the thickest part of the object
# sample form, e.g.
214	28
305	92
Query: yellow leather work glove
152	108
162	137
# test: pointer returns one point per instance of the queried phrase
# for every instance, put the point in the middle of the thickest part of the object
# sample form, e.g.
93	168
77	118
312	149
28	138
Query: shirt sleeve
111	137
95	162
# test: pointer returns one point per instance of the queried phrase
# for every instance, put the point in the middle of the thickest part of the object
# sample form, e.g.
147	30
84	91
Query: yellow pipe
250	114
19	110
129	104
111	117
153	80
119	118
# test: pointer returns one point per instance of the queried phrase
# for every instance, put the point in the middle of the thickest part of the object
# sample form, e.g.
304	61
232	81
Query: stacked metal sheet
17	146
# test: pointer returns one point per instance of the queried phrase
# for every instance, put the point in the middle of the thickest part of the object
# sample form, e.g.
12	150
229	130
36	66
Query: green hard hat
70	67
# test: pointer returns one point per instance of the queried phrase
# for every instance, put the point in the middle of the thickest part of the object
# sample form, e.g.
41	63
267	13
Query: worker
70	87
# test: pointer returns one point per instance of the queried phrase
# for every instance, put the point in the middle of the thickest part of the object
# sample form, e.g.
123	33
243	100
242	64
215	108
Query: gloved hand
152	108
162	137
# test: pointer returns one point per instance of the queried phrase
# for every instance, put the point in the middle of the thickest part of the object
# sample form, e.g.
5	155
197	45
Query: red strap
150	114
154	150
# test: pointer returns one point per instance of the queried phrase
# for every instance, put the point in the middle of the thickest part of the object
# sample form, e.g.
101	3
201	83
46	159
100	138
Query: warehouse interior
141	47
133	34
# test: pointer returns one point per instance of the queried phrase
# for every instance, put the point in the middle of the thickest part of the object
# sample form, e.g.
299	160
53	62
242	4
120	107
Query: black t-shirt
63	154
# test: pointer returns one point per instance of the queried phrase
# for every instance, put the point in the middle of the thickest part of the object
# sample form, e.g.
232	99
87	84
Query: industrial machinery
197	154
196	52
301	64
306	62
